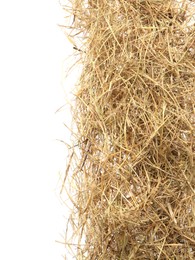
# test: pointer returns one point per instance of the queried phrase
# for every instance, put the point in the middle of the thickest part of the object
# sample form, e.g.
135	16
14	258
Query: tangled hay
132	166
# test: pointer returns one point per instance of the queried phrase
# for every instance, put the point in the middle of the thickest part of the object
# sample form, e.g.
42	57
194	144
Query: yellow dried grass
132	167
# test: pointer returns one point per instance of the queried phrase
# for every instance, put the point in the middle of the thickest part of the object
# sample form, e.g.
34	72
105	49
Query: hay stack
134	179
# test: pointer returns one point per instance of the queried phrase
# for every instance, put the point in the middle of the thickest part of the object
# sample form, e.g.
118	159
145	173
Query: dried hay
132	166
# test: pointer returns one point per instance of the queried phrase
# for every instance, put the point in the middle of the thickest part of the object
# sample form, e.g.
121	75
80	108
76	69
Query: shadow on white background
32	51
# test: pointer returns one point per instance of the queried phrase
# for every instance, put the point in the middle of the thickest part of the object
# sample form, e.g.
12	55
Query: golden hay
132	171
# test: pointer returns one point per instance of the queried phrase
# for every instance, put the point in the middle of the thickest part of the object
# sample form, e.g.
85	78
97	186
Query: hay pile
132	165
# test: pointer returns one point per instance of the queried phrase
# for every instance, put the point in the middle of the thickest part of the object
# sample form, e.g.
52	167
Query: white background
32	52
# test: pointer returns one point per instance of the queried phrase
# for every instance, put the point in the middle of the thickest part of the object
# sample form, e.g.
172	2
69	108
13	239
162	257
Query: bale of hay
132	169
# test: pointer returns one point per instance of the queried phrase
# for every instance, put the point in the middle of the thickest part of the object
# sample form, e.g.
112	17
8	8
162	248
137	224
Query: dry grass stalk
134	176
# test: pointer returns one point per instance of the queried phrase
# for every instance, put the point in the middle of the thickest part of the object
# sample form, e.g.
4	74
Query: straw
131	176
